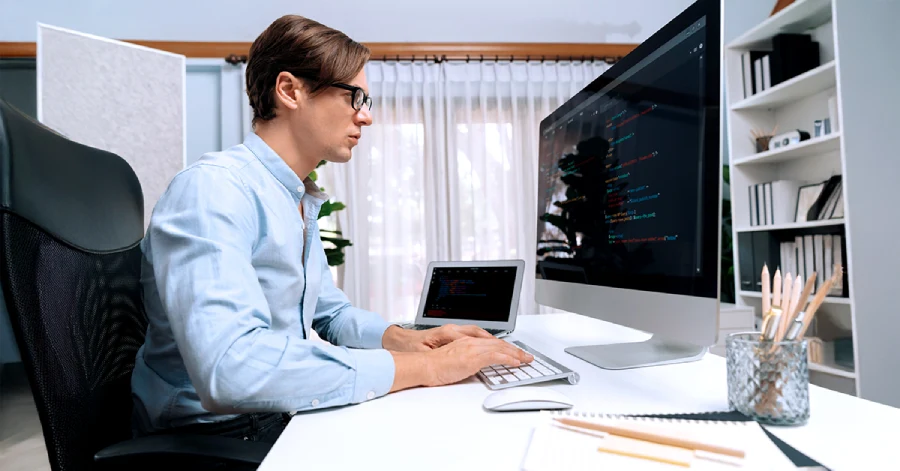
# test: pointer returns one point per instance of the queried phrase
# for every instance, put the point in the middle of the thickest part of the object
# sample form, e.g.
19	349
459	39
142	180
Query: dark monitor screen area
628	174
470	293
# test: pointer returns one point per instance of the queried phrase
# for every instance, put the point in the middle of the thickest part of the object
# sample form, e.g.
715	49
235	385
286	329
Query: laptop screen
473	293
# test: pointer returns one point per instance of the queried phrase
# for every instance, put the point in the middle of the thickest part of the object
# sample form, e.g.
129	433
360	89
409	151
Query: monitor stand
652	352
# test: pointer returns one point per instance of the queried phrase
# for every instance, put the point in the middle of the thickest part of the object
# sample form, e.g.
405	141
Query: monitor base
652	352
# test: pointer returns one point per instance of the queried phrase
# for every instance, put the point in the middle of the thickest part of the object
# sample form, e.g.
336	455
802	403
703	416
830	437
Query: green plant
333	241
726	293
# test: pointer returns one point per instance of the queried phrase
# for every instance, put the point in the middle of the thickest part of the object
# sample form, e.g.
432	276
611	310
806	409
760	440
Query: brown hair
309	50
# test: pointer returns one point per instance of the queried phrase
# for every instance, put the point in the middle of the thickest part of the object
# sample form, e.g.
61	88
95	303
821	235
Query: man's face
329	124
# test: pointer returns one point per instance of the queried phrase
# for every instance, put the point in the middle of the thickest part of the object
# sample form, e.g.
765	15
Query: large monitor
629	197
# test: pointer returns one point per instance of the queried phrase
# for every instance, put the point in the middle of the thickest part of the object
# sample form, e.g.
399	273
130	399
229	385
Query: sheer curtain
447	172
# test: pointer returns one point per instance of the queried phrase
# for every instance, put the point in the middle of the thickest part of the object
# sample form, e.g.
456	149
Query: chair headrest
84	196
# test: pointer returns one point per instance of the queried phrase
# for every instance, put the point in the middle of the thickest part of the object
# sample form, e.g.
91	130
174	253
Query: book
784	200
554	446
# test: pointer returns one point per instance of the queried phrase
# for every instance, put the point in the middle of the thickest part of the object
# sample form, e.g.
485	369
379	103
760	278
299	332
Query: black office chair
71	219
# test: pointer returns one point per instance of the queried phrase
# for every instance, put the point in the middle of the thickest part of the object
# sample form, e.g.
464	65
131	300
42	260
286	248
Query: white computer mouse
526	398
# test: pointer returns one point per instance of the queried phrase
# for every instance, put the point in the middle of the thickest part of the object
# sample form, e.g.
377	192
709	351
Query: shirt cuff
373	331
374	374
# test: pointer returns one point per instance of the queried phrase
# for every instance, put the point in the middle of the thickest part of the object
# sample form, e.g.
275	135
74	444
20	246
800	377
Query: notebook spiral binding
717	417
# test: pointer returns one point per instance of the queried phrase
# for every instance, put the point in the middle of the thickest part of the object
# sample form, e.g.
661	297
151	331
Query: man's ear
289	91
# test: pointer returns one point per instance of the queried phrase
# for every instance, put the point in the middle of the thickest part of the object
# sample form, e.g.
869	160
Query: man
234	273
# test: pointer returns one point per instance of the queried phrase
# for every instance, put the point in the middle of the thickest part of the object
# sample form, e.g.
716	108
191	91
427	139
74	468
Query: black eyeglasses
359	96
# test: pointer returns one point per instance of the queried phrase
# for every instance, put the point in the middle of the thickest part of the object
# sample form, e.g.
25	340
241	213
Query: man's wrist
411	369
394	338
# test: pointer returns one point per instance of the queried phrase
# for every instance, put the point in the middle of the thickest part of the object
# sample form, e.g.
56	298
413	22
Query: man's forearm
410	370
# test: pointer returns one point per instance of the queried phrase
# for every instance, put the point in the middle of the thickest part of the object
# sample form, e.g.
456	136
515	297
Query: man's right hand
462	358
454	362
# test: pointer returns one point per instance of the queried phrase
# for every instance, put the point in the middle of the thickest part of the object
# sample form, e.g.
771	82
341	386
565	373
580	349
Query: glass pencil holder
768	381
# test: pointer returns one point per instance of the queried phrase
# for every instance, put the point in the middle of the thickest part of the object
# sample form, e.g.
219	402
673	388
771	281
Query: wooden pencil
653	437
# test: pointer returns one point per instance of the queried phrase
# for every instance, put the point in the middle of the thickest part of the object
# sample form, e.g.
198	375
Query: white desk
447	428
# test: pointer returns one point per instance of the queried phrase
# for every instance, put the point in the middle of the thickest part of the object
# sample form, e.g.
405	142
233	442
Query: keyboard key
500	376
531	371
521	375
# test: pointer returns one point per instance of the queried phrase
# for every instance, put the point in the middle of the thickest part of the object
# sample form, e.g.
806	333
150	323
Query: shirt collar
281	171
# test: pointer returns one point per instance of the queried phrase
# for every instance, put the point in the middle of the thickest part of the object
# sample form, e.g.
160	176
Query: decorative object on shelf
780	5
833	114
843	352
815	346
788	138
817	128
762	138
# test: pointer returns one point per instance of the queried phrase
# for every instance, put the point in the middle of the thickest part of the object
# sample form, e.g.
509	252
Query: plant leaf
338	242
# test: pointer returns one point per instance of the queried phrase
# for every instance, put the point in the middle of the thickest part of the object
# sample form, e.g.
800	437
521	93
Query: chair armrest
182	449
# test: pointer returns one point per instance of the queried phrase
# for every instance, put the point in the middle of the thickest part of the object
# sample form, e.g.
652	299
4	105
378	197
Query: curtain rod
236	59
236	52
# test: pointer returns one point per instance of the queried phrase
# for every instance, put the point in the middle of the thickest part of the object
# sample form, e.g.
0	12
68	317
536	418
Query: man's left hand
403	340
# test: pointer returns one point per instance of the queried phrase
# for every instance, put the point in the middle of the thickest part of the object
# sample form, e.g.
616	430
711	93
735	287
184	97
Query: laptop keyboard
426	327
540	370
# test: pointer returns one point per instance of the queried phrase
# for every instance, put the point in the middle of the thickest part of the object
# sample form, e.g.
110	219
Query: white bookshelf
859	70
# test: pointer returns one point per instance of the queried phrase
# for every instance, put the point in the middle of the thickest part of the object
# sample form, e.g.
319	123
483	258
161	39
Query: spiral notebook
554	446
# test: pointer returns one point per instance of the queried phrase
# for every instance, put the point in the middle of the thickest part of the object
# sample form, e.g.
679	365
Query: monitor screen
622	172
470	293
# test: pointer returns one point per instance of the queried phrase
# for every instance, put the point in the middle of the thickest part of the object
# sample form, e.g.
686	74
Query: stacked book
797	255
814	253
790	201
790	56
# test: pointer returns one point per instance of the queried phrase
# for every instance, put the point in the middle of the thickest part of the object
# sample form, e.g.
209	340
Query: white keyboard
540	370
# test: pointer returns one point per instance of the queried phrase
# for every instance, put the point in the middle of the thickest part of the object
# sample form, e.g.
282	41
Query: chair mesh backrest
79	321
71	221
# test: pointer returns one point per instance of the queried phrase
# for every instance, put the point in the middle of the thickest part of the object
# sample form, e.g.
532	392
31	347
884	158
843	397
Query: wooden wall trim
403	51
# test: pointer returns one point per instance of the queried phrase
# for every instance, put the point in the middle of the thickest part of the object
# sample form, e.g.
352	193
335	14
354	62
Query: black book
816	209
792	55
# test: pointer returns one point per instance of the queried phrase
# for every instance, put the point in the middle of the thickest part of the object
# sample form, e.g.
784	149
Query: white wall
368	21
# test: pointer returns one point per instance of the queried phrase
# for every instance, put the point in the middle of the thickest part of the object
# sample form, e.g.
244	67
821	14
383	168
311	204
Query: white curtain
447	172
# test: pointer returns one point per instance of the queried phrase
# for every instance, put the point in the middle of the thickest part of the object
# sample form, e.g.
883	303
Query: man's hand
454	361
402	340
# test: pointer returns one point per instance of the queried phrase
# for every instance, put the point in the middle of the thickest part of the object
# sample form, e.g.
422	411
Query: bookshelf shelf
828	299
792	226
796	18
812	148
832	370
809	83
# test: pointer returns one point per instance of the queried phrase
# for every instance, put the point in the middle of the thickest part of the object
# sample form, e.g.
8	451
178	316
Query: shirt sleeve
202	236
341	323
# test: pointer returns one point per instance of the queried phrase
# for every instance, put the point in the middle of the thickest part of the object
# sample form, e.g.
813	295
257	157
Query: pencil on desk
766	291
653	437
636	452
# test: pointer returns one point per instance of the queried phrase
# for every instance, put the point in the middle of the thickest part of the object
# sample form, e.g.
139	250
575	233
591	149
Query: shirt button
371	395
300	189
315	402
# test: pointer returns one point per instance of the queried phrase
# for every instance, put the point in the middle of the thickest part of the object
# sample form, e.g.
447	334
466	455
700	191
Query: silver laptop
482	293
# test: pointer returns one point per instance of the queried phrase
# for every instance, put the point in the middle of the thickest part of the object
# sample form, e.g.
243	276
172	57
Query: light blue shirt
232	287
